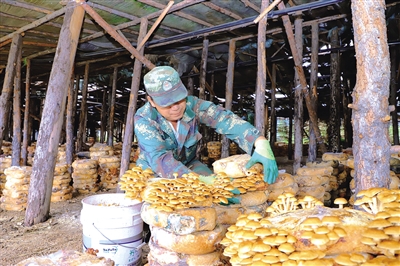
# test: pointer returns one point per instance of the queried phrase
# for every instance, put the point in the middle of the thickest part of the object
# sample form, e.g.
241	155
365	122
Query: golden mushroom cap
286	248
392	231
340	201
379	223
254	216
252	224
259	246
375	234
312	221
319	240
358	258
322	230
330	220
262	232
390	245
344	259
340	231
270	259
368	241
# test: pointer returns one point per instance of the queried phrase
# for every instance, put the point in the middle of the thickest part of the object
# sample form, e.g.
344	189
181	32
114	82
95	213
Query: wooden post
190	86
111	108
261	73
290	140
26	129
38	207
103	116
81	138
203	69
16	140
135	85
370	116
334	99
312	144
6	93
299	68
298	99
230	74
393	92
272	138
71	110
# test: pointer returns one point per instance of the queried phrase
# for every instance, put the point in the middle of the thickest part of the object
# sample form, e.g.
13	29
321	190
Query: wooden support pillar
129	126
40	188
81	138
6	92
203	69
290	137
71	110
298	99
190	86
261	73
394	86
111	108
103	117
16	140
299	68
371	115
272	138
230	75
26	129
334	99
312	144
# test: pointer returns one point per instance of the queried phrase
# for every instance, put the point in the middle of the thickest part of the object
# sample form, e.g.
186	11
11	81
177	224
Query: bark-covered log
38	207
371	96
6	92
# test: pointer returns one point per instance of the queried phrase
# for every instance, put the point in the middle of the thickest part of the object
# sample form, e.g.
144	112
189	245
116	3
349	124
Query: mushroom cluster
186	192
351	259
253	182
322	232
134	181
374	200
288	202
383	233
254	240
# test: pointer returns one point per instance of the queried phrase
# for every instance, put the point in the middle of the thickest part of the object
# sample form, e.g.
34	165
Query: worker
167	130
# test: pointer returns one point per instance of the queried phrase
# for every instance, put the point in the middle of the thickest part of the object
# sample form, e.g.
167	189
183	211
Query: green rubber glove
264	155
208	179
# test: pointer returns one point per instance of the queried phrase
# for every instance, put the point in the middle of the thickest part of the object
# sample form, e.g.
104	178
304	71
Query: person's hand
264	155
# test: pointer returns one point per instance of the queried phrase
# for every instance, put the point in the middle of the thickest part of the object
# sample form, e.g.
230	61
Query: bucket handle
136	248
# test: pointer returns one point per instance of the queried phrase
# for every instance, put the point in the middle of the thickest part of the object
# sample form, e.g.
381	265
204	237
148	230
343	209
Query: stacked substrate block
85	176
15	192
108	171
62	189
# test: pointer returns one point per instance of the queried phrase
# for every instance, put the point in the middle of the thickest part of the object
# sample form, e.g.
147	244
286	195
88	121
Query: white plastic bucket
112	225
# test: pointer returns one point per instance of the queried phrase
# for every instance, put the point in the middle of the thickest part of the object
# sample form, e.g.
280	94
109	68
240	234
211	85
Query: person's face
172	113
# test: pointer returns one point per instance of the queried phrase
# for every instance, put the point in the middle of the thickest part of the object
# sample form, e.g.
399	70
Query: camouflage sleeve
226	123
153	148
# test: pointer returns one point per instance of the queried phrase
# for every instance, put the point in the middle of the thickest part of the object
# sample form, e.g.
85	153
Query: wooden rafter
247	3
178	13
176	7
222	10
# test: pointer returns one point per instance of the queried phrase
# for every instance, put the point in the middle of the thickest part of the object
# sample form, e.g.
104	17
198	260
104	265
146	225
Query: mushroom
312	222
330	221
344	259
379	224
286	248
389	247
375	234
340	202
319	240
393	231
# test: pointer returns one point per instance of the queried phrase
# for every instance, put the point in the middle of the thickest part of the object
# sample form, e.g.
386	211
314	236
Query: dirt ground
63	231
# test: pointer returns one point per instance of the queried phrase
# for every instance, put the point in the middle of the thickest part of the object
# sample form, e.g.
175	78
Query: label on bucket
122	255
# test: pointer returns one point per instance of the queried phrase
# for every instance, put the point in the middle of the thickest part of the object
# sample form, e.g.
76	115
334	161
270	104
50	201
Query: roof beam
178	13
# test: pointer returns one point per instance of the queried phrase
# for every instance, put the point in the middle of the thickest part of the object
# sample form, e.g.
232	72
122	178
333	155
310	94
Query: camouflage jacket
165	155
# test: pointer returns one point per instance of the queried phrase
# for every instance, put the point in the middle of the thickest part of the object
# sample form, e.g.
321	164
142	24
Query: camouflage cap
164	86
